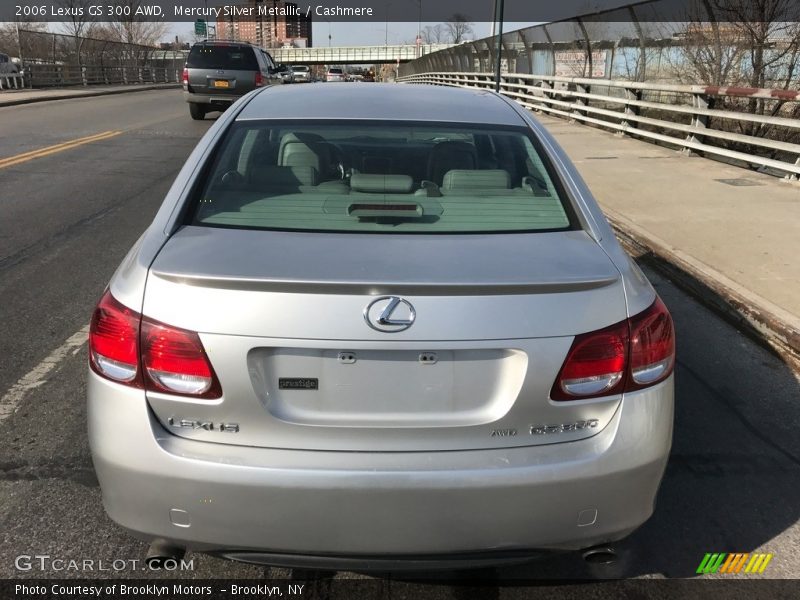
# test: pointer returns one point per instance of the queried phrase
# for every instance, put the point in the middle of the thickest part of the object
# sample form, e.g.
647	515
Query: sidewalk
730	235
26	96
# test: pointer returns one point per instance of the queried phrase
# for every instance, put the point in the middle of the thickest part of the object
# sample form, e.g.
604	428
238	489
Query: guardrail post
699	121
630	110
83	76
125	75
141	79
584	89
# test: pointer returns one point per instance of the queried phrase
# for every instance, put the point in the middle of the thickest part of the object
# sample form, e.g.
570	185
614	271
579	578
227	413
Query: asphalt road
68	218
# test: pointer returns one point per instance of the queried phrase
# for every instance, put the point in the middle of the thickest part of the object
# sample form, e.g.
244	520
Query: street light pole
386	33
498	17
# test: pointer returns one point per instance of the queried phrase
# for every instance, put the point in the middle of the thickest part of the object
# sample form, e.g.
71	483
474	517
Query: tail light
259	79
652	346
113	342
631	355
134	350
175	362
186	76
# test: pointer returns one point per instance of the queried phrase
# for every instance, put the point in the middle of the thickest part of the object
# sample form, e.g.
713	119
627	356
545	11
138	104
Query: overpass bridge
352	55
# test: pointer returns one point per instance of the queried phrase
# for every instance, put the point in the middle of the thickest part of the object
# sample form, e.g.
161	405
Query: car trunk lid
287	323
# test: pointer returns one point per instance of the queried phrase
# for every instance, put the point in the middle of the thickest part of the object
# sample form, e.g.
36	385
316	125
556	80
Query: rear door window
222	57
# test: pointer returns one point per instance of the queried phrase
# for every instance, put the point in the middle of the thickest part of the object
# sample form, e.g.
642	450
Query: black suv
217	73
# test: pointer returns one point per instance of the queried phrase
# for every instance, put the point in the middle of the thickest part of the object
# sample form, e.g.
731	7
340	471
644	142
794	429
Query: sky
364	33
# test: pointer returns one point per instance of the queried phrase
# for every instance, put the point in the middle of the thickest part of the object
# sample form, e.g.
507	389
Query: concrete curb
91	94
766	322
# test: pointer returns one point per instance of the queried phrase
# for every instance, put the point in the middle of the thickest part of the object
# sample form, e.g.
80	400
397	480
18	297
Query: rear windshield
335	71
378	177
222	57
299	68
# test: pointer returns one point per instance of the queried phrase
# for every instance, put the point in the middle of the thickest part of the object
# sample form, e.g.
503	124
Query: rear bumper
211	99
302	508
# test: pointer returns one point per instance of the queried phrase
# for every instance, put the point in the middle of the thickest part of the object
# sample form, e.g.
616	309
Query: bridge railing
11	81
686	120
50	75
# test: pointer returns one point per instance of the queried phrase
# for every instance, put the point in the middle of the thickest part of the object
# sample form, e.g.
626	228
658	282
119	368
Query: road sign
200	27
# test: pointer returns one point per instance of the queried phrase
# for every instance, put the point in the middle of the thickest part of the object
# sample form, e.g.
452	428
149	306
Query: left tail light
137	351
175	362
113	342
185	78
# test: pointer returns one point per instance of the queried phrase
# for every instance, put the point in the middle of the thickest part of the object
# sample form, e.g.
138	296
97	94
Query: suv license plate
221	84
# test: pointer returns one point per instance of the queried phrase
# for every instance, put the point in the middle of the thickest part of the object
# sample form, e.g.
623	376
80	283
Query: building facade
275	23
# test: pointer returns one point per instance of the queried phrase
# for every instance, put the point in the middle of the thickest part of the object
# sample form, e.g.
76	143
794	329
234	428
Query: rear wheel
197	111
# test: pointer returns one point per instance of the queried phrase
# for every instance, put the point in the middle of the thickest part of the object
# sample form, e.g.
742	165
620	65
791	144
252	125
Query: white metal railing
354	54
11	81
569	97
54	75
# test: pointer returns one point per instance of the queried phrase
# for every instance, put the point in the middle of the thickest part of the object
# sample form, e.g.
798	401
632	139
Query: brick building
280	23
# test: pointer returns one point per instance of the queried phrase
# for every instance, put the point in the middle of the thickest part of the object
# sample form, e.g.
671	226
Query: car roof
384	101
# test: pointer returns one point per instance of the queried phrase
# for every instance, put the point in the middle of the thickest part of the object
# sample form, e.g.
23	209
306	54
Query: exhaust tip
600	555
162	554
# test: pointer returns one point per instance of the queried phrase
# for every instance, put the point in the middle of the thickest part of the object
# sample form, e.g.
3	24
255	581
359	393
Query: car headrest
304	150
381	184
484	179
274	176
449	155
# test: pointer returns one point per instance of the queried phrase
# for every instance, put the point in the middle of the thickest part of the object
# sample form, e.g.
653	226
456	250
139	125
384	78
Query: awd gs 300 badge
564	427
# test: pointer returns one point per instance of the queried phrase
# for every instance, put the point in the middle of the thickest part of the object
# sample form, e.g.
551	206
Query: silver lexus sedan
374	326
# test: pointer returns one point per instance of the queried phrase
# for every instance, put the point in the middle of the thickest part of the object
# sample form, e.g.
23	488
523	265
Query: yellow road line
41	152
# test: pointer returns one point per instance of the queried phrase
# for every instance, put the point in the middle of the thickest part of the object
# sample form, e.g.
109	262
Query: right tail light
630	355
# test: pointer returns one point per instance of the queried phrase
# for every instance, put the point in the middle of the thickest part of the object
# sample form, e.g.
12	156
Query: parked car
378	326
336	74
218	73
7	65
302	74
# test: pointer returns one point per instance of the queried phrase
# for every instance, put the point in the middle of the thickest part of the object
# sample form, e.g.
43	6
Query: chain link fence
53	59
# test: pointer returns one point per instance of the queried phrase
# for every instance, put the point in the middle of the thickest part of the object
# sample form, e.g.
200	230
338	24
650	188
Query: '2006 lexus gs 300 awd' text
379	324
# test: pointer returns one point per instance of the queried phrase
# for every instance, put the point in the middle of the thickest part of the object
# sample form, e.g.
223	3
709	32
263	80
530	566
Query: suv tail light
630	355
134	350
259	79
185	76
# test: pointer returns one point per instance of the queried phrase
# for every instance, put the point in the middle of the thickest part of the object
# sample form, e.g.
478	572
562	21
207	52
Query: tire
197	111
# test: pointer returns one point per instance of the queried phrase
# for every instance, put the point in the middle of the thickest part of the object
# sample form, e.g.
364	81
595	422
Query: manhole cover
739	182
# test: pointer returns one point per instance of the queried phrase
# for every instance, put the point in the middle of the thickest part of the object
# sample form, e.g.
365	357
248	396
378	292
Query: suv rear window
222	57
335	71
379	177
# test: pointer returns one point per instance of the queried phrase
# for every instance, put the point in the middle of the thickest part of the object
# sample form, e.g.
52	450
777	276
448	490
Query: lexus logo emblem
390	314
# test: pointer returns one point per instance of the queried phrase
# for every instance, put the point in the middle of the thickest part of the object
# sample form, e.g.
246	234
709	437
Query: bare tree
745	43
135	30
458	27
434	34
79	23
